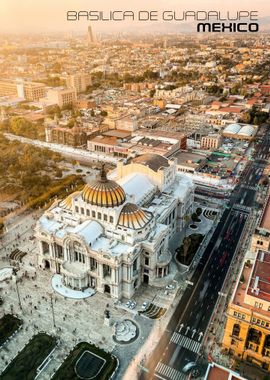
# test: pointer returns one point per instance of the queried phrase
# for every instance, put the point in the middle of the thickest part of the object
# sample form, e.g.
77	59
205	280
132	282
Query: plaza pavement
75	320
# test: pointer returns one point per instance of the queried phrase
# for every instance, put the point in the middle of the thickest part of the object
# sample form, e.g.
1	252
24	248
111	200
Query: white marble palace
113	235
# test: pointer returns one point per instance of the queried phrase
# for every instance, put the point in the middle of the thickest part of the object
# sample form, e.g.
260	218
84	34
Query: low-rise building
218	372
61	96
75	136
211	142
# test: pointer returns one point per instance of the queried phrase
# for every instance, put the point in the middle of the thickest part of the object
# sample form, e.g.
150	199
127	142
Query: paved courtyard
72	320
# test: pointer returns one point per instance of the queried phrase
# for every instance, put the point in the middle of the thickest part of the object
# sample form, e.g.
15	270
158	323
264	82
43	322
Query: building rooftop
218	372
265	220
259	285
256	284
153	161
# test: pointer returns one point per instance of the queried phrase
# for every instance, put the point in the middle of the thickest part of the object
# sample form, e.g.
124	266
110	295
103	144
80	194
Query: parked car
145	305
128	303
170	287
132	305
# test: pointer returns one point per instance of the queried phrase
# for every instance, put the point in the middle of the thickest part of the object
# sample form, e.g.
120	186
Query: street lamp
14	273
53	316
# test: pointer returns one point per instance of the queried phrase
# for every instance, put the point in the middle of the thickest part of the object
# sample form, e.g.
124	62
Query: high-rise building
90	36
79	81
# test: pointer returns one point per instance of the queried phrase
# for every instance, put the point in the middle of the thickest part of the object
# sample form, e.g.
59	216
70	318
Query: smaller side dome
67	202
131	216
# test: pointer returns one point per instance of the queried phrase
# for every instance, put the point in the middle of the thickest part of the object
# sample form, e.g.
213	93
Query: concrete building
211	142
247	331
90	36
79	81
23	89
61	96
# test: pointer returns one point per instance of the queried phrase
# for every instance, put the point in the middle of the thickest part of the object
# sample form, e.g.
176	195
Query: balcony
76	270
236	338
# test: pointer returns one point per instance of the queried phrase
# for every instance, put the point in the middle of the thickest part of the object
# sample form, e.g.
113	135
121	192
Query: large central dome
103	192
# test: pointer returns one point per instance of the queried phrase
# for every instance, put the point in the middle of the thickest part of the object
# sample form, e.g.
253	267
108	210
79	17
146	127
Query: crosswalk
241	208
169	373
186	342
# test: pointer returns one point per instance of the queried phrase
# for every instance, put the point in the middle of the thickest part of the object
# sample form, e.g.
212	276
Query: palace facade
114	234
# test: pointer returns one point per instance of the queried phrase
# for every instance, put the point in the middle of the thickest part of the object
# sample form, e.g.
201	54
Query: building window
236	329
93	264
87	212
82	210
135	265
93	214
76	208
111	219
146	261
105	217
99	215
106	270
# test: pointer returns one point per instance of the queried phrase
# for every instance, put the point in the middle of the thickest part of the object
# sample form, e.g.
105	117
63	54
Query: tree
198	211
58	173
256	120
186	246
194	217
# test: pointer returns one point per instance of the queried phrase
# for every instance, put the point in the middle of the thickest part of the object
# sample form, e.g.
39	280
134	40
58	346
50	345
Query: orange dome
132	216
103	192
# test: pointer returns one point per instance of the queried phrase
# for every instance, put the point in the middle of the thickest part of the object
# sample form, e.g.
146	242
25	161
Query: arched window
236	329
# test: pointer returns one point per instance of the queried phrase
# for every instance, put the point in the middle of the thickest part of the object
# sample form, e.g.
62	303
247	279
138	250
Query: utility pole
53	316
17	288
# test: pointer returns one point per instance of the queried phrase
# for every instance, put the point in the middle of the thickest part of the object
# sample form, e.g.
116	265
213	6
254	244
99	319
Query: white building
113	235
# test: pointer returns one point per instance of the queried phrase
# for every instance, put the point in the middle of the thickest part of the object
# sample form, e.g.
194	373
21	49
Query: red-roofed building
218	372
265	89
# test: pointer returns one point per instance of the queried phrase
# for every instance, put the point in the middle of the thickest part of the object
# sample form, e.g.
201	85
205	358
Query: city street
181	344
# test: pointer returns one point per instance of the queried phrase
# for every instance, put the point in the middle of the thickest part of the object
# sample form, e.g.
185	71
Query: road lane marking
185	342
171	373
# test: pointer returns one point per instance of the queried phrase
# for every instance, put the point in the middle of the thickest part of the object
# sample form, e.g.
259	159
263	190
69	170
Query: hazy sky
50	15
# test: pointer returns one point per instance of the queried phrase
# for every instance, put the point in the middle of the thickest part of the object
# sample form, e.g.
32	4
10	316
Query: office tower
90	36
